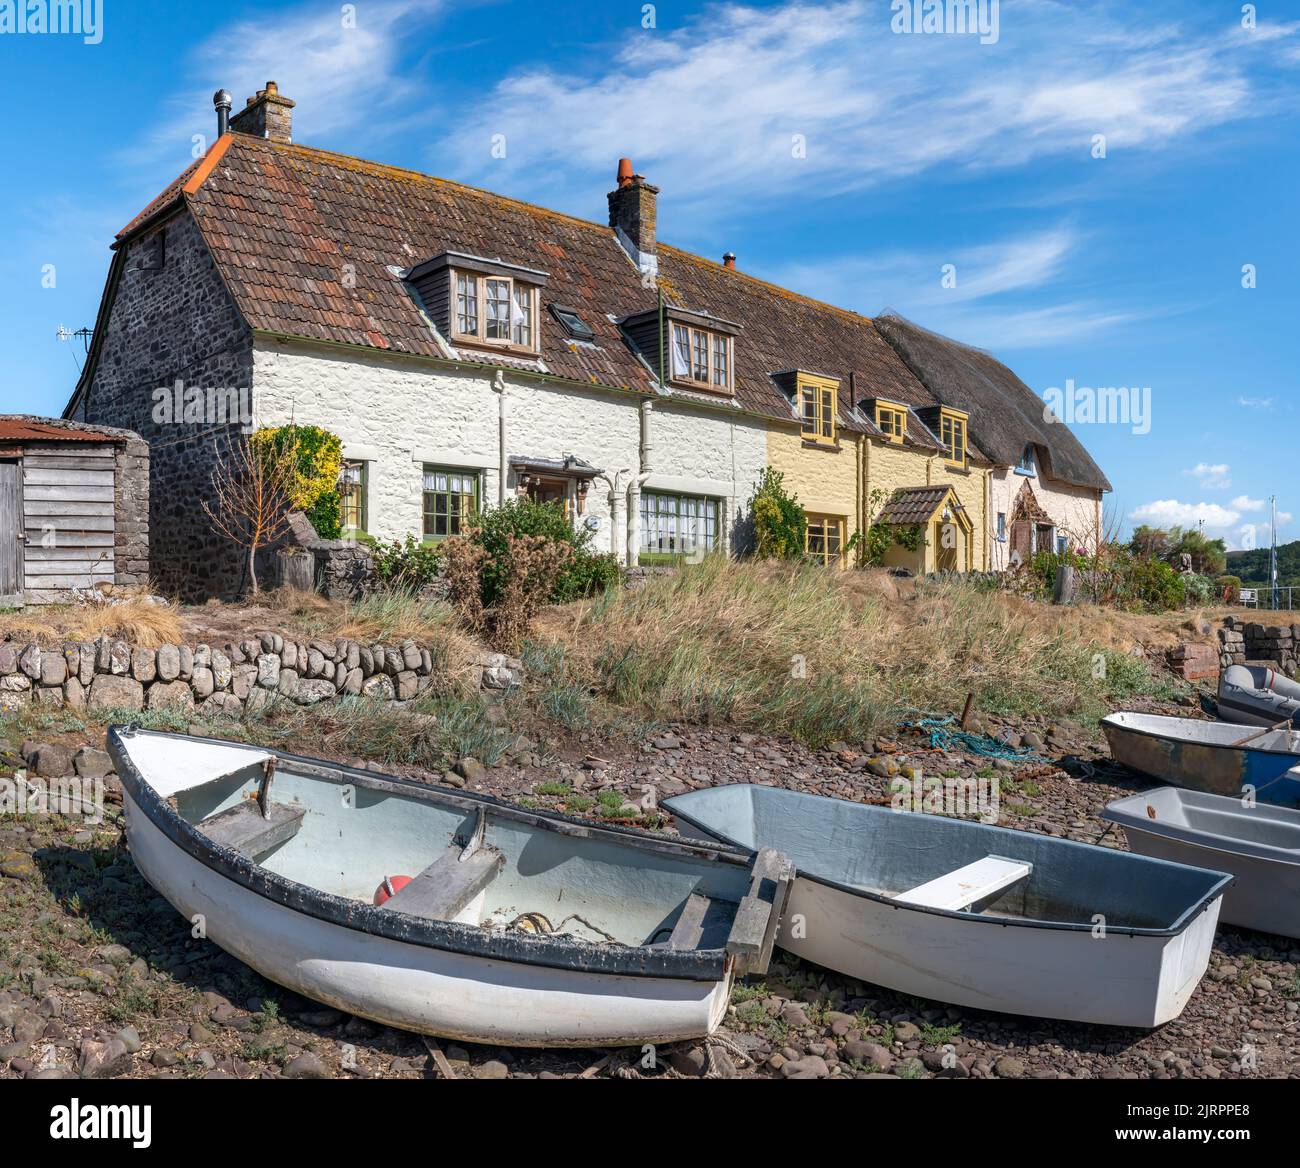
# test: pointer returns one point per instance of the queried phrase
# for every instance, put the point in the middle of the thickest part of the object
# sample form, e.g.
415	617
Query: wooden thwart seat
966	886
448	885
245	829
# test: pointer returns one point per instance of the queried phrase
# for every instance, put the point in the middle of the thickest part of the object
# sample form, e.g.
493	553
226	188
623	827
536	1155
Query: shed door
11	531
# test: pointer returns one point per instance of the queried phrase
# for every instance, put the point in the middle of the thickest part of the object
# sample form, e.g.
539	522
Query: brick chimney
632	215
267	115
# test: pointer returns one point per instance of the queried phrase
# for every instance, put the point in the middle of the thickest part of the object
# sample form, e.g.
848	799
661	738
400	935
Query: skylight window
572	323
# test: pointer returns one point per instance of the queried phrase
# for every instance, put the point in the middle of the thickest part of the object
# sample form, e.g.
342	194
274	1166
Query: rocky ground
100	977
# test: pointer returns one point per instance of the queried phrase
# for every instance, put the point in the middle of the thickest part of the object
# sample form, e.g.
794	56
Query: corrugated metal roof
15	430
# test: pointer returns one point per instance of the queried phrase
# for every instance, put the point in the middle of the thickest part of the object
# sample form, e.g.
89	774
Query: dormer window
952	433
701	358
494	310
892	419
1028	464
817	400
473	300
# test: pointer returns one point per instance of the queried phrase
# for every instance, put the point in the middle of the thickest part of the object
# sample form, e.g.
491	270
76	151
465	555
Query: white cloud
1213	477
1256	403
1171	512
1220	522
717	104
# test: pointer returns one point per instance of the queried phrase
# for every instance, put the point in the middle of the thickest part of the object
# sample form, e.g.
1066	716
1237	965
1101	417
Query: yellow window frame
952	433
892	419
818	543
818	399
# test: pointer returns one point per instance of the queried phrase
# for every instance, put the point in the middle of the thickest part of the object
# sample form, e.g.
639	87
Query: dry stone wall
1243	642
233	680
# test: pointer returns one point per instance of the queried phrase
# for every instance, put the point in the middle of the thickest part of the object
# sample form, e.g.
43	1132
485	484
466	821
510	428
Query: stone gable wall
167	323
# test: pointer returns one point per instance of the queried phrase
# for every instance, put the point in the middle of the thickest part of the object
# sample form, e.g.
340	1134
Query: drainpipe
503	415
615	499
634	489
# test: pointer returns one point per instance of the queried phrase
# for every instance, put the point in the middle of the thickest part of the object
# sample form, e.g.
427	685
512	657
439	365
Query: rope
945	736
626	1064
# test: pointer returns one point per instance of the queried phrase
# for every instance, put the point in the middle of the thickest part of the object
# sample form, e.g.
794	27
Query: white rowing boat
516	927
975	915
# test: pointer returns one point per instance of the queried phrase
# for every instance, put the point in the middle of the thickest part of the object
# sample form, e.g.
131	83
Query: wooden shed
74	509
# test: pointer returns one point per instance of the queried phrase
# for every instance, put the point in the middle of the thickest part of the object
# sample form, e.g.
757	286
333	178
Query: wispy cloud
1256	403
978	302
824	99
343	70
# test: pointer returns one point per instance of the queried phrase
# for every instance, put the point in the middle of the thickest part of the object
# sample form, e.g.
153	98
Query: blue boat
1223	758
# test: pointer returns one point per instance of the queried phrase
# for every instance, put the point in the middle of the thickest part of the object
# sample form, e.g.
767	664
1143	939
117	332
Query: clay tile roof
913	505
310	244
171	194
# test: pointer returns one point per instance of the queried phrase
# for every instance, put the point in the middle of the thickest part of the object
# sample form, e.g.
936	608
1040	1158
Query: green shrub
1200	589
1152	585
408	564
585	573
1228	587
780	525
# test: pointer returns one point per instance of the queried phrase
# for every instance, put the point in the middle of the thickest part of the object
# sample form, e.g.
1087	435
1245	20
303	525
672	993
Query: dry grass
826	656
136	620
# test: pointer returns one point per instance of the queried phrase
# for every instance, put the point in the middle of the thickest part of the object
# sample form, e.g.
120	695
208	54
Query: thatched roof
1005	414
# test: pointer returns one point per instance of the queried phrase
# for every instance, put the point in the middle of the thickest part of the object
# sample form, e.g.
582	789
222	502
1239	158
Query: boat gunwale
451	936
1179	926
1108	724
1115	813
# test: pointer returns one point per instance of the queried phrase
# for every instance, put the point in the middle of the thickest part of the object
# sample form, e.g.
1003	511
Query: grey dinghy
518	928
975	915
1259	845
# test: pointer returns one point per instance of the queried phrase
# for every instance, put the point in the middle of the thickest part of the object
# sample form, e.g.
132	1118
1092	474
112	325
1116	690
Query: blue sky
832	154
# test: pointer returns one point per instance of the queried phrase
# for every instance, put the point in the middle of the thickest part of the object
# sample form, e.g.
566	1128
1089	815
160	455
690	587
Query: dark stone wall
172	319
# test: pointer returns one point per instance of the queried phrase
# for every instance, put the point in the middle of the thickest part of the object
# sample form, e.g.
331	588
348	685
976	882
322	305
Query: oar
1260	733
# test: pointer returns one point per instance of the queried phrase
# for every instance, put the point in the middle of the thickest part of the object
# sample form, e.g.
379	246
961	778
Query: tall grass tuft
793	649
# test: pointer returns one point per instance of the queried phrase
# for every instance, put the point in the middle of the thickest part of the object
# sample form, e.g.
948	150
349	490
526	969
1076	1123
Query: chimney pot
632	214
730	260
268	114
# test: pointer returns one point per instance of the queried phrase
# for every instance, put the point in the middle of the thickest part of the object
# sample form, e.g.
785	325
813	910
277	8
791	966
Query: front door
11	532
550	491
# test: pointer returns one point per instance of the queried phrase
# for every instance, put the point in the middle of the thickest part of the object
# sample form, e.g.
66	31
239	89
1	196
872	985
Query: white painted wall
398	414
1074	509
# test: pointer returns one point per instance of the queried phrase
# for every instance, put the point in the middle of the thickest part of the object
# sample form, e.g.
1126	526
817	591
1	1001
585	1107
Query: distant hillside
1252	566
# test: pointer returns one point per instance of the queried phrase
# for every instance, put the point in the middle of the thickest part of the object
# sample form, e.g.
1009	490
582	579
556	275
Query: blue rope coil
945	736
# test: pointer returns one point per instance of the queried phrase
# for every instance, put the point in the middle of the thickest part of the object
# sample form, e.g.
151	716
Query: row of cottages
469	348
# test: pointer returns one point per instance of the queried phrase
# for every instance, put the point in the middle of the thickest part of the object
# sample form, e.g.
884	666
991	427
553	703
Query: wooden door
11	532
